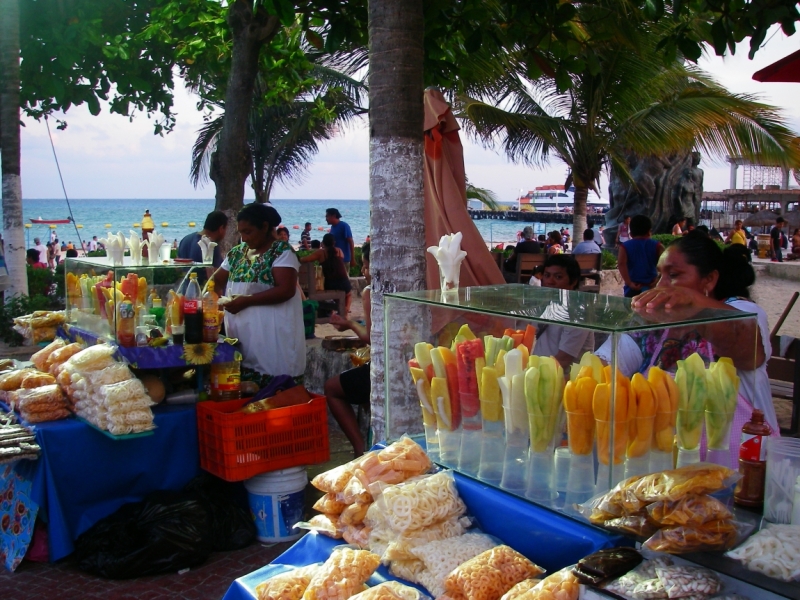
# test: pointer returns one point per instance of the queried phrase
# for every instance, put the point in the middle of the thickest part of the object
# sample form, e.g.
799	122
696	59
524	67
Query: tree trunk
579	214
13	232
397	260
251	30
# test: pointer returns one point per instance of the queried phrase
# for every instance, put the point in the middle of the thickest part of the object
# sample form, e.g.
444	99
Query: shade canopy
762	218
785	70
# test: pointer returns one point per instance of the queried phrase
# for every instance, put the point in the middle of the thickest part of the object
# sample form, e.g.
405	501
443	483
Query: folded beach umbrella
446	198
762	218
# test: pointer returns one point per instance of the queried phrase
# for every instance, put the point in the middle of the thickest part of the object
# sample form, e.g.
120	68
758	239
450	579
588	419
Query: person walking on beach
638	258
305	237
214	228
775	241
342	235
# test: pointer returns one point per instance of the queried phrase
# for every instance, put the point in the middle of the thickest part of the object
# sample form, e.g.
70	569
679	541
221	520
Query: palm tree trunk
251	29
397	261
13	232
579	215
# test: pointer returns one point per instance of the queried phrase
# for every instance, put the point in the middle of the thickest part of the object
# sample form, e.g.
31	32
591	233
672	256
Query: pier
535	216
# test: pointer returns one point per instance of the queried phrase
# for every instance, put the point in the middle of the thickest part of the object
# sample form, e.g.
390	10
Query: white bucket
277	500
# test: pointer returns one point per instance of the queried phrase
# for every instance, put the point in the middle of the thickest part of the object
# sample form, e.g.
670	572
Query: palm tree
283	138
631	102
10	148
484	195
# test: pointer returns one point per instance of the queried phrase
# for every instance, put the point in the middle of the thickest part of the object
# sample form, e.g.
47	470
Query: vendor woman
266	313
696	274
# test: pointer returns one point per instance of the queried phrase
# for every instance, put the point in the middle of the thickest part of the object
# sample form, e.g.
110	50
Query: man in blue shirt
214	229
342	234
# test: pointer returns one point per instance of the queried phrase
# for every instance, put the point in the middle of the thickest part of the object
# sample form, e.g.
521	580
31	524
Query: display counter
83	476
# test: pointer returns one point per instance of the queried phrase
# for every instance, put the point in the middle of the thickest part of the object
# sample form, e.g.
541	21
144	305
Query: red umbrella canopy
785	70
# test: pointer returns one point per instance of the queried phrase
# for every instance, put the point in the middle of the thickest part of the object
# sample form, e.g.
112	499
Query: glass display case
558	395
112	301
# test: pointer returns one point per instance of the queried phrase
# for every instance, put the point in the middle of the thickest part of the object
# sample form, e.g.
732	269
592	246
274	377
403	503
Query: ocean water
95	214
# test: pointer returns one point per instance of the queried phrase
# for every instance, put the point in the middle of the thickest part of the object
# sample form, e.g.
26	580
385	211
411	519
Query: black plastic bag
165	533
230	525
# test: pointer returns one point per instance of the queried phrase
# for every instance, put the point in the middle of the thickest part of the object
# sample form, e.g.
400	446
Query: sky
110	156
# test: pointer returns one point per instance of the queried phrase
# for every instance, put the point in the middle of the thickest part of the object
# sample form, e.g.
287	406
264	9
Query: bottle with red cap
752	461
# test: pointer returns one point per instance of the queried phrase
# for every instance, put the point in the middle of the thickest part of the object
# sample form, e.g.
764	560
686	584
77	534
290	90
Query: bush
608	260
665	238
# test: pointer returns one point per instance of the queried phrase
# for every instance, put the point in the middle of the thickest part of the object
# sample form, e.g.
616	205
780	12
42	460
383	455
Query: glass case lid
106	262
579	309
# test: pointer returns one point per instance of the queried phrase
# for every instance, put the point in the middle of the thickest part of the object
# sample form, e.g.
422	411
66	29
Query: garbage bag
165	533
230	525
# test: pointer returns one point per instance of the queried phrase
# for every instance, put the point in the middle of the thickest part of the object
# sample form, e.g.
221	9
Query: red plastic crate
236	446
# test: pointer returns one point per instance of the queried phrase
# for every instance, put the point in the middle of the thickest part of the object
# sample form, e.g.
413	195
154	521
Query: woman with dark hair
554	243
696	274
566	344
266	313
333	269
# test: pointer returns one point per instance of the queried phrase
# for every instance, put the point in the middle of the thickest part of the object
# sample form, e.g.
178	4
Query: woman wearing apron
266	313
696	274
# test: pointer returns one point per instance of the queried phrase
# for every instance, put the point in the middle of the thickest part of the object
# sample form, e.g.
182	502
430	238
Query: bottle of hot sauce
752	461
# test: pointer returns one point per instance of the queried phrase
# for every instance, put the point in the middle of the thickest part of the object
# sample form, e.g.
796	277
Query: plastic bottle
226	381
193	312
126	324
796	503
752	461
210	314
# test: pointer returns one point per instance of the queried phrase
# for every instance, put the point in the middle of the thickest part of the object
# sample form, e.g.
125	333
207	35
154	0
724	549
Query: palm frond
486	196
204	146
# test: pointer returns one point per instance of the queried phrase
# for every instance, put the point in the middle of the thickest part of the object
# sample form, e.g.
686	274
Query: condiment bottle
796	503
752	461
193	312
126	323
210	314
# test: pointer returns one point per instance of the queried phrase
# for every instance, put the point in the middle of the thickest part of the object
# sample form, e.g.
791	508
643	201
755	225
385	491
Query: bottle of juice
752	461
210	314
193	312
126	323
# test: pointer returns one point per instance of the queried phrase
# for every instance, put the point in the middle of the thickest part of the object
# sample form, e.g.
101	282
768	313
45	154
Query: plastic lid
210	286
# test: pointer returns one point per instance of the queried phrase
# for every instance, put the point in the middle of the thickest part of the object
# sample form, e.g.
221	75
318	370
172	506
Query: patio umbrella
792	219
785	70
446	198
762	218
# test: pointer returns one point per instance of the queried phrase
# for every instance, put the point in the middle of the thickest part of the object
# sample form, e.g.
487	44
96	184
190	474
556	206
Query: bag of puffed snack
561	585
355	490
62	355
35	380
325	524
407	569
490	574
12	381
396	463
115	373
40	358
358	535
342	575
354	514
286	586
708	537
400	548
330	505
41	399
93	358
335	480
519	589
442	556
390	590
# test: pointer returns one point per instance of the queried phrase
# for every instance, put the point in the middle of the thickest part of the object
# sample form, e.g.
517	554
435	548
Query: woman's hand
668	298
341	324
238	304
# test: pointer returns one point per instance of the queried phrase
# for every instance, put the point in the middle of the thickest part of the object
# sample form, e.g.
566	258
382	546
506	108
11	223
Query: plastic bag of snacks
700	478
335	480
711	536
61	355
418	503
407	569
354	514
390	590
42	404
442	556
114	373
682	581
325	524
342	575
329	504
358	535
490	574
35	380
396	463
93	358
114	393
690	511
401	548
637	582
773	551
286	586
40	358
561	585
521	588
12	381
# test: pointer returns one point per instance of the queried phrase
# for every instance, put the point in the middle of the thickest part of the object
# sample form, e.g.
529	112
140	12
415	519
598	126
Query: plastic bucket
277	500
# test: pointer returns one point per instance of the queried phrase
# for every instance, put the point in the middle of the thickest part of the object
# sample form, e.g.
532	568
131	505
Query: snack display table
83	476
551	540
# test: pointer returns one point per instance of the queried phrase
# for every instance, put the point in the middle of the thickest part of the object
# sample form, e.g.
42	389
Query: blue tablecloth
83	476
549	539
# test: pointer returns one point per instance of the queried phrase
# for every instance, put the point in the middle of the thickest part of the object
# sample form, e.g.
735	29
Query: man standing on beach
214	229
342	235
775	241
93	244
305	237
38	245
